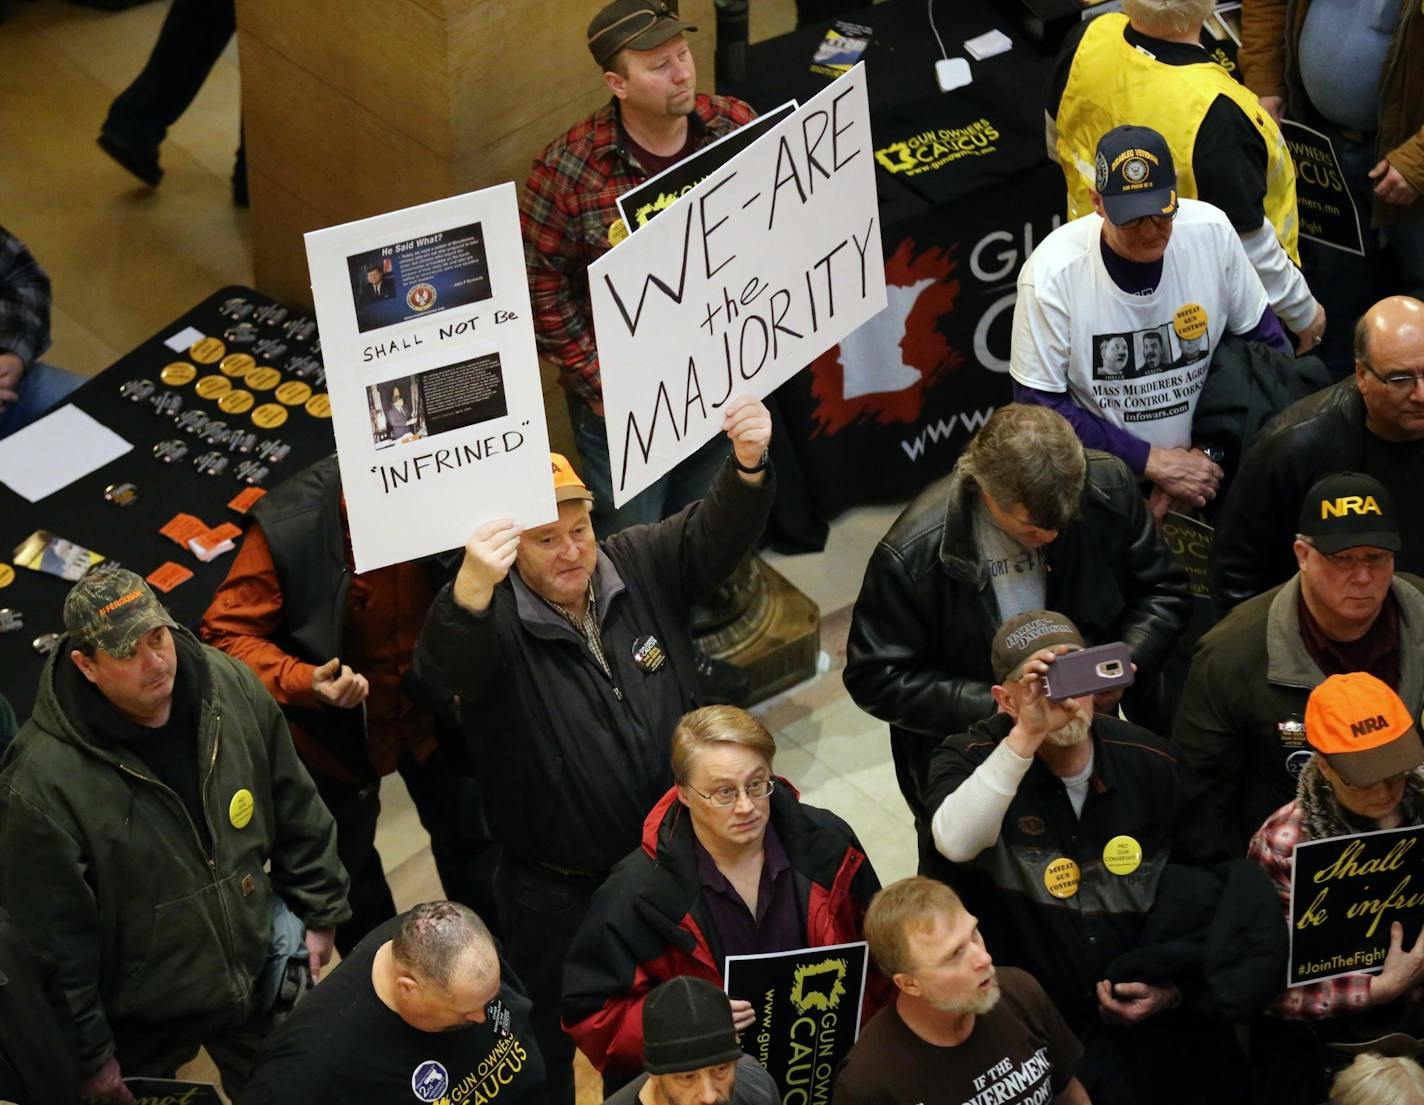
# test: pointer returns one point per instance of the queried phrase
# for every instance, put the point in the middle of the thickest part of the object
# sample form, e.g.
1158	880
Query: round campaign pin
319	406
1061	877
193	422
237	401
238	364
177	374
171	450
121	494
45	643
270	349
617	232
294	393
241	441
273	451
273	314
207	350
7	575
263	379
300	329
213	387
239	810
244	333
1122	855
136	391
1189	321
167	404
252	471
236	308
270	415
211	463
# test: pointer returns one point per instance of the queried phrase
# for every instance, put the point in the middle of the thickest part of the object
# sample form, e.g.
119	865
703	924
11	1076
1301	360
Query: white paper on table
55	451
185	339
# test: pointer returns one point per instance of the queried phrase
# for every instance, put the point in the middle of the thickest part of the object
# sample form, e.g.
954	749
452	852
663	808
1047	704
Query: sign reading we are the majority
435	395
760	268
1346	892
807	1005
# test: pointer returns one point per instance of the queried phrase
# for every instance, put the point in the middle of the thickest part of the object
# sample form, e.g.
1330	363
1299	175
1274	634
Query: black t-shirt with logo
1400	467
343	1046
1020	1052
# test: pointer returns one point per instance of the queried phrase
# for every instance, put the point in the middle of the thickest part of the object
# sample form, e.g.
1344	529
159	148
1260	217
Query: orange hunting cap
567	484
1364	730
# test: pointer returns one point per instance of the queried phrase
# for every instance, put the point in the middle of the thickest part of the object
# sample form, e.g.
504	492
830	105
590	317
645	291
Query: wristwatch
760	465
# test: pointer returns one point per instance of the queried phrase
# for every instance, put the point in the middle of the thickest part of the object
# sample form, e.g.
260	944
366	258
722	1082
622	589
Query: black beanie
687	1025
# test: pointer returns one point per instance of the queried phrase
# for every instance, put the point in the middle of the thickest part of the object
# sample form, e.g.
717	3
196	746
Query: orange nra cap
567	484
1364	730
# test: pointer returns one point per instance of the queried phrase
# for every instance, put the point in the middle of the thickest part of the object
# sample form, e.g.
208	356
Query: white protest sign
435	394
755	272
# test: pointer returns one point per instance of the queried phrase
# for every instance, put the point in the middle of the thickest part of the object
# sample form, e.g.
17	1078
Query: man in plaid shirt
28	388
1365	775
570	218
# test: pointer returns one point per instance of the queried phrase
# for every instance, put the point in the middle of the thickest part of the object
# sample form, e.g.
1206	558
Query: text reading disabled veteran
762	267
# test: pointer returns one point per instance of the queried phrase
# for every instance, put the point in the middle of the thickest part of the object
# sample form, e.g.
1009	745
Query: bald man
1371	422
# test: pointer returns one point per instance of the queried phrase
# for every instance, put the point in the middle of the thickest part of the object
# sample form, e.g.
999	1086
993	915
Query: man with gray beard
1057	824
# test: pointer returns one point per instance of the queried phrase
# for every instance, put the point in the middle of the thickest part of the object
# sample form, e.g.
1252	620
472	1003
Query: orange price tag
182	528
168	575
245	499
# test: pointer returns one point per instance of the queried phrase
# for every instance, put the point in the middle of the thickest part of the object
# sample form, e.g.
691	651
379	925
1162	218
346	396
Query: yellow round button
294	393
319	405
1061	877
239	810
236	402
270	415
238	364
7	575
1189	321
617	232
210	387
1122	855
177	374
263	379
207	350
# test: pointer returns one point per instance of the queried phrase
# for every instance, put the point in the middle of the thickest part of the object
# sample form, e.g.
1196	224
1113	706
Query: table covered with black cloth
276	337
966	190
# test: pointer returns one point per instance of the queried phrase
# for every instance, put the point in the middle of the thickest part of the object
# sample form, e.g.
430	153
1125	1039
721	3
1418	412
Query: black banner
807	1006
1189	540
1327	211
1345	893
170	1091
639	205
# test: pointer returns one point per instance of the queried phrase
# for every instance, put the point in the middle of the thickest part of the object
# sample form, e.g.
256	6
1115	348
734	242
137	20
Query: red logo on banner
862	378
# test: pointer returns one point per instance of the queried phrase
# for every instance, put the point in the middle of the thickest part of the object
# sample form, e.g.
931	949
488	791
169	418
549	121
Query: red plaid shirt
566	210
1273	848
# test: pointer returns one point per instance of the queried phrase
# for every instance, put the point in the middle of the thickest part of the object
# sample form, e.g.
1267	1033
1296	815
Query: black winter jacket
918	653
1256	528
36	1032
570	760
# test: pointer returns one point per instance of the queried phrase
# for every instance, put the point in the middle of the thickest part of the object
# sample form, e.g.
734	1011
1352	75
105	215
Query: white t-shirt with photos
1138	361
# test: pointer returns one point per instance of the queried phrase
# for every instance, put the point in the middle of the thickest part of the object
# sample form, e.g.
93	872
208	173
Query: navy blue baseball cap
1135	174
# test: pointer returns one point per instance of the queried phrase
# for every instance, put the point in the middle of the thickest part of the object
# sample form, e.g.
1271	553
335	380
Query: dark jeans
448	804
158	1050
1347	285
687	483
541	912
193	37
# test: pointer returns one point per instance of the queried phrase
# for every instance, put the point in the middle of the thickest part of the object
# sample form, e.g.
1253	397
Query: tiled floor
125	259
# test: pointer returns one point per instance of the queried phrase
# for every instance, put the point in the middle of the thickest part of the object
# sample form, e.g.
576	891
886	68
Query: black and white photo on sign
1112	356
448	397
1154	350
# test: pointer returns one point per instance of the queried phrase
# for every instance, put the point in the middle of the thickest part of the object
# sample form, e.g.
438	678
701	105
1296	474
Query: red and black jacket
648	922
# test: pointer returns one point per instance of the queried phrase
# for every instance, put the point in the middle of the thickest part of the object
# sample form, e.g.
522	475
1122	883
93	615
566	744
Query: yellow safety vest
1112	83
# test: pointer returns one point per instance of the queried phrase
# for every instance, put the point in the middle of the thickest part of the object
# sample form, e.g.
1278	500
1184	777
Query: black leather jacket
918	653
1321	434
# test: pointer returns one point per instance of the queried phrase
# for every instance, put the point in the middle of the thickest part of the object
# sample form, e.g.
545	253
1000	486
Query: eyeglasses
1159	221
1348	562
727	796
1400	383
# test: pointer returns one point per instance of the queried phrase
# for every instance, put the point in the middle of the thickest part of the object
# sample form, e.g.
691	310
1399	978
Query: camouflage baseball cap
110	609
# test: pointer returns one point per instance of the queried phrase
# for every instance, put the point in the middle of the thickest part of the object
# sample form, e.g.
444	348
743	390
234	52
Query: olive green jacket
102	867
